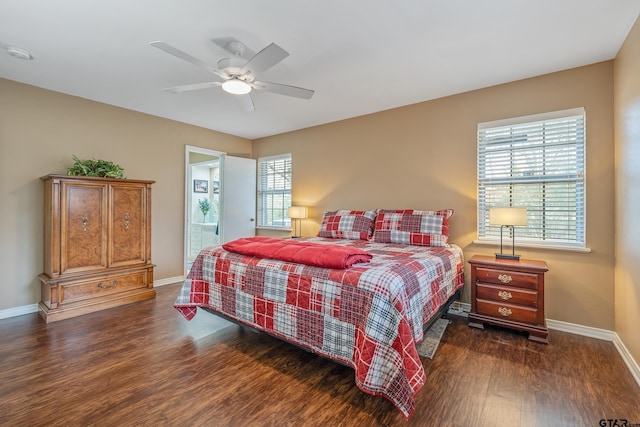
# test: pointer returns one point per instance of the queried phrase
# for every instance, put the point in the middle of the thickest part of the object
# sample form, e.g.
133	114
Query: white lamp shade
508	216
298	212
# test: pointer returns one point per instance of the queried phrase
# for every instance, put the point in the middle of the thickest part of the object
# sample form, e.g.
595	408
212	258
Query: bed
368	314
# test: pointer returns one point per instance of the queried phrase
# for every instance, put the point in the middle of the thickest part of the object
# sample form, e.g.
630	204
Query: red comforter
301	252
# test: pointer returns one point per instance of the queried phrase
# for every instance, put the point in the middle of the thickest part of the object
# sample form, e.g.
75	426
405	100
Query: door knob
252	219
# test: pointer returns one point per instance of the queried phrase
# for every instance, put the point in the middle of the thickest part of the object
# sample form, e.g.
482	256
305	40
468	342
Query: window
274	191
535	162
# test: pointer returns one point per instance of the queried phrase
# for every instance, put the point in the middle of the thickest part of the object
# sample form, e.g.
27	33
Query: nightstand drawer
505	294
505	277
508	312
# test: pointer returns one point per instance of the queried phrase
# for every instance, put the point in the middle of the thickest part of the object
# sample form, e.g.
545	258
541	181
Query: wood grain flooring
145	365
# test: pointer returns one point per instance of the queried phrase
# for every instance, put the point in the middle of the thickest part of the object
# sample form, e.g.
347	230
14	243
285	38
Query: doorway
202	201
220	194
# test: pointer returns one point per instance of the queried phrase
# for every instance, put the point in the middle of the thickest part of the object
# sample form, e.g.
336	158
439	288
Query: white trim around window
538	163
274	192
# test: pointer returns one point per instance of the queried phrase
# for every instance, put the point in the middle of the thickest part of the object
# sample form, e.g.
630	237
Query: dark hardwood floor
145	365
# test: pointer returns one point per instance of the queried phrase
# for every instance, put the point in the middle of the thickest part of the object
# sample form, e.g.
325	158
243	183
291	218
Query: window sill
534	246
283	229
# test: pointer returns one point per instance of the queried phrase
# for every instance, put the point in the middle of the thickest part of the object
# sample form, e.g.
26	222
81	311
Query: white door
238	190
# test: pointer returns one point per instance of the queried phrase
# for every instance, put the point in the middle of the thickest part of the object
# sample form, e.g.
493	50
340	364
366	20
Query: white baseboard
18	311
585	331
168	281
628	358
33	308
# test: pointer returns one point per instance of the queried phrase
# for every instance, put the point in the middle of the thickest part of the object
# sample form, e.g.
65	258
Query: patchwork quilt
369	316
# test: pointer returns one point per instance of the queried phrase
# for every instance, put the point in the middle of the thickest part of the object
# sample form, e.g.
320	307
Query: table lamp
297	214
508	217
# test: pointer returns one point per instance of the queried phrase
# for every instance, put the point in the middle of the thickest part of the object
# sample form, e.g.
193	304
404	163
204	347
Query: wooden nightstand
509	293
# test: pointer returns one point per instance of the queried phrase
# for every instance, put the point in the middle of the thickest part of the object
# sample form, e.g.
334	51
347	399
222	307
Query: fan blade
185	56
265	59
196	86
246	103
281	89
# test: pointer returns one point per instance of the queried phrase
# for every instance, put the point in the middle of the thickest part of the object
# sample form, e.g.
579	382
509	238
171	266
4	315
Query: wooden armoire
97	245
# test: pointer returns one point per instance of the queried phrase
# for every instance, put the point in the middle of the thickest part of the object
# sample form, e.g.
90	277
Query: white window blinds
538	163
274	191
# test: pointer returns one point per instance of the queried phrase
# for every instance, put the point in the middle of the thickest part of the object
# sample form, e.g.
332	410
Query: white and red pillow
412	227
346	224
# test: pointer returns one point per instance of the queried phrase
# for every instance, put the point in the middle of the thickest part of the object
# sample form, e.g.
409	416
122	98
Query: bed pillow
344	224
411	227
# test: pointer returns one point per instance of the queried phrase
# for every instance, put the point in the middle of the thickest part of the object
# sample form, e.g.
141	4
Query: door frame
187	189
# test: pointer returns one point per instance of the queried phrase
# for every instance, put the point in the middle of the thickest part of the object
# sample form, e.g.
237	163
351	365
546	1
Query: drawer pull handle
127	218
504	311
85	222
113	284
505	278
505	295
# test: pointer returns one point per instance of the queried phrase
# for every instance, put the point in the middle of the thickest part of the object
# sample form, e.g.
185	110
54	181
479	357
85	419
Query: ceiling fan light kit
236	75
236	87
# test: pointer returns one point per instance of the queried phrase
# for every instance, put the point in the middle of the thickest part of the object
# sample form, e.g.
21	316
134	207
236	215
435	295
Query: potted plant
93	167
205	207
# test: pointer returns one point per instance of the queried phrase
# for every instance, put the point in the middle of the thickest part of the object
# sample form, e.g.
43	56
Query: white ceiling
360	56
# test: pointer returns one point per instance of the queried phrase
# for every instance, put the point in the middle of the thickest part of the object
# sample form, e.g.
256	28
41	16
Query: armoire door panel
83	227
128	225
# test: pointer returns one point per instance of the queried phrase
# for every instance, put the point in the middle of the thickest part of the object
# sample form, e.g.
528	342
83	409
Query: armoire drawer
107	285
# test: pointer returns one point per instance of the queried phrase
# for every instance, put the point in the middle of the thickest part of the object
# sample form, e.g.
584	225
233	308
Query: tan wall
627	143
39	132
423	156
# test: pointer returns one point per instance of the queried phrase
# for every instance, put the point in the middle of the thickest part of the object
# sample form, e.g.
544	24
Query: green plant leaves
205	205
93	167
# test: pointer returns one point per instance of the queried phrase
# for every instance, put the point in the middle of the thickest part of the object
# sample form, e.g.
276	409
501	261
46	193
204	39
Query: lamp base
507	256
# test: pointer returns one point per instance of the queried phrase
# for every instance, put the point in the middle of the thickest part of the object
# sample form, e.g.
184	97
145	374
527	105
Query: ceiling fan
237	75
